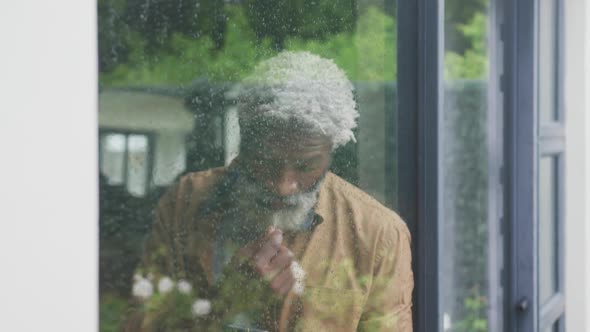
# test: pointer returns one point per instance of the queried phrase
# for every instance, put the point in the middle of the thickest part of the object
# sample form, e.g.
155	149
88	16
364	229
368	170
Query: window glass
137	161
125	161
466	239
553	328
548	79
112	150
219	119
549	182
548	267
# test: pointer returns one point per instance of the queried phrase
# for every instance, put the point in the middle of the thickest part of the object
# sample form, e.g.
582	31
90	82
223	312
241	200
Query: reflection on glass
553	328
547	228
465	298
113	158
137	164
189	73
548	79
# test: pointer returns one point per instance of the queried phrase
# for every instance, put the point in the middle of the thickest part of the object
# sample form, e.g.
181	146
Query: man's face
287	166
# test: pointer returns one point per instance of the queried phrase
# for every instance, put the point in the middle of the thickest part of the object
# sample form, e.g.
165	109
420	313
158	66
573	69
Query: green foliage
169	312
363	45
474	319
113	34
367	54
306	19
460	11
188	59
472	64
158	20
376	42
466	185
112	310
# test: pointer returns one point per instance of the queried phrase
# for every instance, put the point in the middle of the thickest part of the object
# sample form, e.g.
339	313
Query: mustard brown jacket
356	256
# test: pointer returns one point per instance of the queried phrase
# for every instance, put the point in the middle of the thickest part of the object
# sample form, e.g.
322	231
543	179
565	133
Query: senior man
275	242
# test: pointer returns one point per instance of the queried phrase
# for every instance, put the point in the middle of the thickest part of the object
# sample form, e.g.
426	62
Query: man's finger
278	263
269	230
282	260
287	285
283	282
268	250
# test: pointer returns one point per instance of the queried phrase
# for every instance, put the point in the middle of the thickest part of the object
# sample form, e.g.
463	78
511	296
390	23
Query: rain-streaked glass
547	228
466	301
169	72
113	157
137	161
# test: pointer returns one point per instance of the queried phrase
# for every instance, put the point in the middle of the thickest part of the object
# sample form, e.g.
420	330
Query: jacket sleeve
389	304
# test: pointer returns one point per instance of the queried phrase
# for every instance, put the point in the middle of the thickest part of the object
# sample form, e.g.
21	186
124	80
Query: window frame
526	142
551	143
521	156
521	143
420	84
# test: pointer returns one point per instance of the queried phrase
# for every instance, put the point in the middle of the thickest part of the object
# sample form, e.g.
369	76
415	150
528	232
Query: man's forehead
290	144
293	142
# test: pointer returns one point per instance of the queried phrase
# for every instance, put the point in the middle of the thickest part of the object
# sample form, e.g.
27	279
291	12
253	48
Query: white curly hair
304	88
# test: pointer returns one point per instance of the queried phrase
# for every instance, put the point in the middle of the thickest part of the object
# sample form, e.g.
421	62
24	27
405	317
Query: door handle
523	304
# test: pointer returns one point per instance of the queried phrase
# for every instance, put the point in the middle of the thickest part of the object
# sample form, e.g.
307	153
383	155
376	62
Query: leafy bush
112	313
368	53
472	64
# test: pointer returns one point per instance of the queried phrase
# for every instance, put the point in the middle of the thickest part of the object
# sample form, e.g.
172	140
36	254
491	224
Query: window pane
466	238
548	267
553	328
256	112
137	164
113	157
548	79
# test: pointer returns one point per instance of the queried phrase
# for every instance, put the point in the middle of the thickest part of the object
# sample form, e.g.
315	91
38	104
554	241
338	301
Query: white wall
586	111
48	178
576	103
140	111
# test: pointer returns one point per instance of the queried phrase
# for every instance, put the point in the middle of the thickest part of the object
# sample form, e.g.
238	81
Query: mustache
258	192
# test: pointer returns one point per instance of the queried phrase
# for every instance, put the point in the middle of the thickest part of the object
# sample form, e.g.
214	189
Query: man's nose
284	184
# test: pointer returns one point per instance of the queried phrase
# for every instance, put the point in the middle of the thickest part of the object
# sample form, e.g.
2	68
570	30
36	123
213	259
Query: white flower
184	287
201	307
298	287
142	288
166	285
137	277
299	275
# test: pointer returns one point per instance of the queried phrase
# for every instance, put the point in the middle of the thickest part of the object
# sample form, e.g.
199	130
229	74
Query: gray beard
247	192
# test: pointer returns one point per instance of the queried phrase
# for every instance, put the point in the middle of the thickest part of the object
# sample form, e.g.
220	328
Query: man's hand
275	264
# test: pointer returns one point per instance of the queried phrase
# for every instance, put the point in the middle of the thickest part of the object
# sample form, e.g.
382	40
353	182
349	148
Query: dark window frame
551	143
521	143
521	156
420	90
526	142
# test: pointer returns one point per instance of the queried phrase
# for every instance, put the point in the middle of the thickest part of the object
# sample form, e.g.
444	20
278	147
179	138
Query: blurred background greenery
144	42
